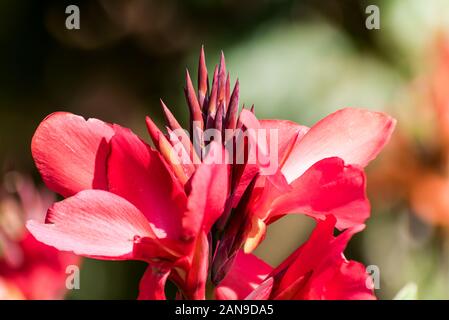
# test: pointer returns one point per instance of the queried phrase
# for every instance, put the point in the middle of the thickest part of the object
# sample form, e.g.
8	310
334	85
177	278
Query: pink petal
93	223
247	273
244	173
152	284
138	174
160	252
263	291
208	193
289	134
354	135
258	149
328	187
71	152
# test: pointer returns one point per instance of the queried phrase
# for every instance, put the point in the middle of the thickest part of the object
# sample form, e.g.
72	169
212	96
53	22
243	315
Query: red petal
354	135
289	134
328	187
262	151
249	150
318	269
208	193
349	281
93	223
70	152
195	284
263	291
247	273
152	284
138	174
318	248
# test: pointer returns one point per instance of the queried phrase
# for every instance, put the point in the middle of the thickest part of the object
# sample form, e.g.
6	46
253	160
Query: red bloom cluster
194	213
29	269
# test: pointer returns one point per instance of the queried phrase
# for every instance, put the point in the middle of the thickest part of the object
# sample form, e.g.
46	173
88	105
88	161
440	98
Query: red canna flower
323	167
29	269
189	205
146	216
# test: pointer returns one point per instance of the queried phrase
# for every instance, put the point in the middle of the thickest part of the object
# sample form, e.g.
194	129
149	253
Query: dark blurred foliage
135	48
127	55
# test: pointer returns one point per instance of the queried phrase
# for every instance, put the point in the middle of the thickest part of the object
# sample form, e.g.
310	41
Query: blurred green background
297	60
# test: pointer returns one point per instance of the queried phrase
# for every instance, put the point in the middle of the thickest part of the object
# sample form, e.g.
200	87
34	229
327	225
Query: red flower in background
189	213
414	168
29	269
